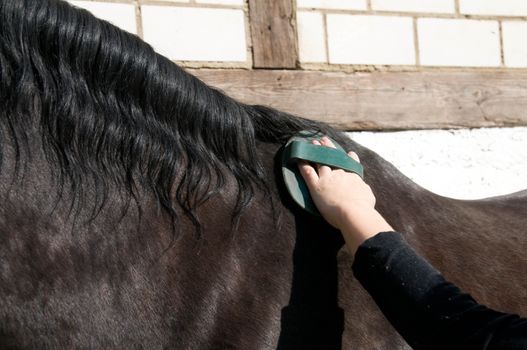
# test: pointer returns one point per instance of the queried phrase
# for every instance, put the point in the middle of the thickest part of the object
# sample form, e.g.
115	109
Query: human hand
344	199
336	192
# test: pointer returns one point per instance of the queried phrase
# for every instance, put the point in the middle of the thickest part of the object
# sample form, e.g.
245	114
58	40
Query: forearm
428	311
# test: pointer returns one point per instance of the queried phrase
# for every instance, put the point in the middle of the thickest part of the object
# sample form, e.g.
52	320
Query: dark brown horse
141	208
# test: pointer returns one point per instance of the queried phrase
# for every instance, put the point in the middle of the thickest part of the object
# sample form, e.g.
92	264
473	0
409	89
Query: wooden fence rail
383	100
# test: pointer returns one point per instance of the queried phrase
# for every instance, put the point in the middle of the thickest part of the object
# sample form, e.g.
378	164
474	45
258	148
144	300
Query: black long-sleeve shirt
428	311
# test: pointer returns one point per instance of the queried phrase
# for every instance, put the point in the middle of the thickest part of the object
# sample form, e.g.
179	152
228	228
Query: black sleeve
428	311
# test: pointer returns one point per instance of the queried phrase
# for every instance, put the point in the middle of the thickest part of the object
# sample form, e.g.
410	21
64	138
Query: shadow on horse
142	208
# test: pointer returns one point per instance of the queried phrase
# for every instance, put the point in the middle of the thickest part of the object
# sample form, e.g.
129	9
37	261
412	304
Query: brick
494	7
333	4
195	34
514	48
121	15
370	39
222	2
175	0
311	36
427	6
453	42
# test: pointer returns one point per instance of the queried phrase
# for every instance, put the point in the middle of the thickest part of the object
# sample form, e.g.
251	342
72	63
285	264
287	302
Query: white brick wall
440	35
333	4
216	2
121	15
514	43
370	39
344	32
494	7
312	37
454	42
430	6
181	31
198	34
466	164
221	2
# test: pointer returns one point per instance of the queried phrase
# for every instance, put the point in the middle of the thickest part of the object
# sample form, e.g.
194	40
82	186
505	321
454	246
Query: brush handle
333	157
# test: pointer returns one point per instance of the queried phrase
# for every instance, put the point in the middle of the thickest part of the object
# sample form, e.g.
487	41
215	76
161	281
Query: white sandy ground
464	164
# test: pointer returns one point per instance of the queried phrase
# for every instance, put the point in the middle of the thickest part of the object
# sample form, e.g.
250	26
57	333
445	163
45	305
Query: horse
142	208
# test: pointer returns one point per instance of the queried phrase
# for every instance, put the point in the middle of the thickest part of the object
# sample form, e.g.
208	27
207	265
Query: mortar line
416	14
326	37
139	20
416	43
188	4
502	52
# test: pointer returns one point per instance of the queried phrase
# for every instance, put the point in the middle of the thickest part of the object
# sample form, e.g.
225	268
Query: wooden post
273	33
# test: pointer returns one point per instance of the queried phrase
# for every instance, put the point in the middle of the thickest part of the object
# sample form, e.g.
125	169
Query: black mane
110	112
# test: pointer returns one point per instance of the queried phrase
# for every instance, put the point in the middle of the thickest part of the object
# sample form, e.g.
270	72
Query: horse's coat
106	147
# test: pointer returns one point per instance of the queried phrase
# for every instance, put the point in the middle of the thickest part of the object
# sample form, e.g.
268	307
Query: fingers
354	156
325	141
322	170
308	173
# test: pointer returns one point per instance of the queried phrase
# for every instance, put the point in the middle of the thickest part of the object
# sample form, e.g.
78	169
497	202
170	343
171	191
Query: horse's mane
110	111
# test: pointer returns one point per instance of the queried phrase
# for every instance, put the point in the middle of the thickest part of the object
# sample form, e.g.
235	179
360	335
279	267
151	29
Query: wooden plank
273	34
383	100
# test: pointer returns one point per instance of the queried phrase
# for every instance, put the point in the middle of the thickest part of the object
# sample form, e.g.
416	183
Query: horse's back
477	244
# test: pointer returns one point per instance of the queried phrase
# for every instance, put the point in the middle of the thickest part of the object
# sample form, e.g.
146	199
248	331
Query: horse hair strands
109	110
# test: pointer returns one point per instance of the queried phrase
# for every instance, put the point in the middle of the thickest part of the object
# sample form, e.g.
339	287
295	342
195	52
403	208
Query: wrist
360	224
